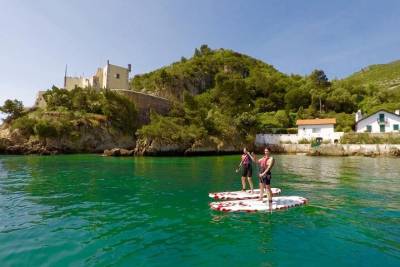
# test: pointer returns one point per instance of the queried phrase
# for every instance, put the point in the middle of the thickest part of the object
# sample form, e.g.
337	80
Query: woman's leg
261	191
243	183
251	184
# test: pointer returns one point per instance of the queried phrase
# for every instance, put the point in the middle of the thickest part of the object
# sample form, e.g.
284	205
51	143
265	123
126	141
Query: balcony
381	122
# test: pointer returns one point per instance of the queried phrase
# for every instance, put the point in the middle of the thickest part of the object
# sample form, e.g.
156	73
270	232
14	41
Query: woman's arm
252	159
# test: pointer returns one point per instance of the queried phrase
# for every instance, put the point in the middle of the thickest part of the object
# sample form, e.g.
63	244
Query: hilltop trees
14	109
67	110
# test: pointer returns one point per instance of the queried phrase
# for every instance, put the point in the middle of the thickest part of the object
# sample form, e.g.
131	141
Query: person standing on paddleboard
247	169
266	163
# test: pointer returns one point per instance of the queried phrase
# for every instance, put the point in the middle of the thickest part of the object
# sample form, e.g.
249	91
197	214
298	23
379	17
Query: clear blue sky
37	38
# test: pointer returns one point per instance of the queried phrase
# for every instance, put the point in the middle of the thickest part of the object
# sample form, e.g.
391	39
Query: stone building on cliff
109	77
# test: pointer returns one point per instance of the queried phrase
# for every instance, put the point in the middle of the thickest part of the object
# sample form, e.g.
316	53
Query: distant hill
383	75
198	73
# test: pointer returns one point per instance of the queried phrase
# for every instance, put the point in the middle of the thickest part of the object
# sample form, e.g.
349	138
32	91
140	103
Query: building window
395	127
382	128
316	130
381	117
369	128
117	76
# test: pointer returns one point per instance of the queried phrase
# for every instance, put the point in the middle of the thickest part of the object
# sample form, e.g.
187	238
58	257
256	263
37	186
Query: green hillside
223	96
382	75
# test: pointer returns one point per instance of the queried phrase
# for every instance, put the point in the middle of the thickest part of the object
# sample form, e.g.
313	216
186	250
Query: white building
381	121
322	129
108	77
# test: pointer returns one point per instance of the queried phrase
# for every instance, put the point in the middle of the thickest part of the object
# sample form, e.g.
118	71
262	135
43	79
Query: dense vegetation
66	111
219	96
225	93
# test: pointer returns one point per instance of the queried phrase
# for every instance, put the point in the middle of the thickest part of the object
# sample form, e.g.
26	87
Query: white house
318	129
322	129
381	121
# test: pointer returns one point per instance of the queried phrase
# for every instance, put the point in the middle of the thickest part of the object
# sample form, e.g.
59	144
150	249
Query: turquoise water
87	210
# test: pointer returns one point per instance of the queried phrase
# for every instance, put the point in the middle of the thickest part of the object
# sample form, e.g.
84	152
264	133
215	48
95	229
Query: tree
56	98
197	52
282	118
12	107
297	98
319	85
340	100
319	79
205	50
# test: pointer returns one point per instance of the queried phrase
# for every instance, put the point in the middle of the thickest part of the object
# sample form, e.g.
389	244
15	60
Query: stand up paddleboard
239	195
253	205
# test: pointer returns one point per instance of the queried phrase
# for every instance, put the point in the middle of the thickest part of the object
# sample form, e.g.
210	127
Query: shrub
25	125
304	141
367	138
45	128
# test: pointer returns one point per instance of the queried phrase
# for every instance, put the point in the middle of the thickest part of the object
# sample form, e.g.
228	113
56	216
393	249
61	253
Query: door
382	128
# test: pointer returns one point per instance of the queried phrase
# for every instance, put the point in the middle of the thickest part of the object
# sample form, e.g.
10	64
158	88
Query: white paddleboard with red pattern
252	205
238	195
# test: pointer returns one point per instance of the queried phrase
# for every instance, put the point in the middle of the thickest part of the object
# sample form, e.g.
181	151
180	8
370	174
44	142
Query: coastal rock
210	146
394	152
116	152
84	139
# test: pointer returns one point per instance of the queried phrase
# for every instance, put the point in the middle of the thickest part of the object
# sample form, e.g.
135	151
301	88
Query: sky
38	38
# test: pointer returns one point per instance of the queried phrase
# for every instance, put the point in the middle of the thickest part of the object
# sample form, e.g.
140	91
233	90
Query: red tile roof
316	121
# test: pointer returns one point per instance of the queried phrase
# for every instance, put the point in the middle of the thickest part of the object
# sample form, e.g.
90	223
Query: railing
384	121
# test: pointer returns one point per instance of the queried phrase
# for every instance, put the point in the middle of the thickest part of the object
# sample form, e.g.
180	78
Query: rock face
145	147
85	140
116	152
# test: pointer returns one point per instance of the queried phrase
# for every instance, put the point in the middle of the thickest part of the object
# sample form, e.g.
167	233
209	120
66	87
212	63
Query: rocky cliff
84	139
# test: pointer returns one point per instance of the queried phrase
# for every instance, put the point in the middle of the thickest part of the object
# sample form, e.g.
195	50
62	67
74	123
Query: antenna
65	76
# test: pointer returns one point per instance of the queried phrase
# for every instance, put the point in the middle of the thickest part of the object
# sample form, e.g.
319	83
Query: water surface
87	210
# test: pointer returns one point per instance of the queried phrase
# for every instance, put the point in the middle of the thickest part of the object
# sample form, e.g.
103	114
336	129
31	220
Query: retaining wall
144	103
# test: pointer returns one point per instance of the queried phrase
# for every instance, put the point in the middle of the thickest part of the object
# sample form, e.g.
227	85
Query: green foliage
226	93
383	75
45	129
25	125
57	97
171	130
296	98
304	141
344	122
368	138
120	111
14	109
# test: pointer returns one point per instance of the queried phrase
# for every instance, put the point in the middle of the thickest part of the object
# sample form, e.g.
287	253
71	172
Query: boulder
116	152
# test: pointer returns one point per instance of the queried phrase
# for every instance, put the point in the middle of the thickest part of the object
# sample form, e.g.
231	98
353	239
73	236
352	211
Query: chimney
358	115
397	112
129	67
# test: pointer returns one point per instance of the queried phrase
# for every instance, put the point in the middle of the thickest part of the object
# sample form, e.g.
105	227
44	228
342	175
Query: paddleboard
239	195
253	205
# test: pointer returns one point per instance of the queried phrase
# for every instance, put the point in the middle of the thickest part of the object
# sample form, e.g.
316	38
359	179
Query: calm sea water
87	210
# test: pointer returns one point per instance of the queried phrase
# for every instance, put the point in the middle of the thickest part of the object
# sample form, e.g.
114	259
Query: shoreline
337	150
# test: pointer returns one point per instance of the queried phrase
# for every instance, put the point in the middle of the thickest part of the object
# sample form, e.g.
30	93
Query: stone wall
144	103
338	149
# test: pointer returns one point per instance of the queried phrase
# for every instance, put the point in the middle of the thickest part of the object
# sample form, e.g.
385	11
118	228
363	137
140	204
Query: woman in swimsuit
266	164
247	169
